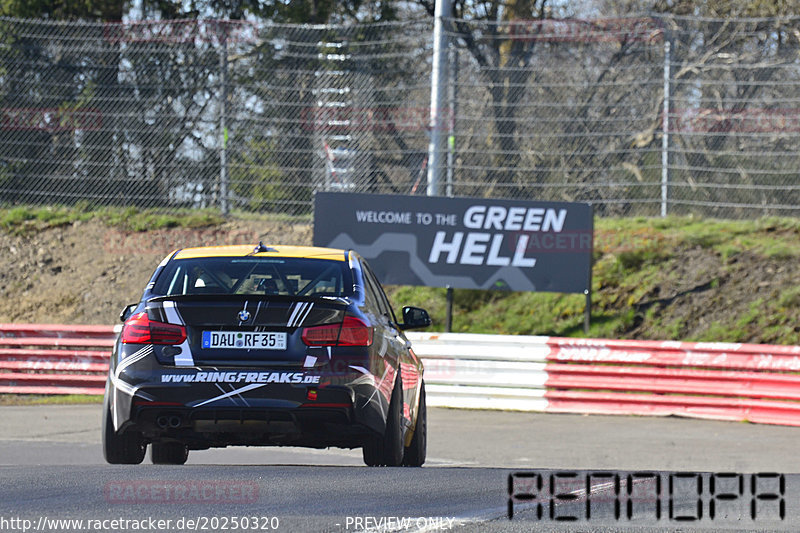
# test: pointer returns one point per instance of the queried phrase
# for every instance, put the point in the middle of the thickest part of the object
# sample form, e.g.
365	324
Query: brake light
141	330
321	335
351	332
355	332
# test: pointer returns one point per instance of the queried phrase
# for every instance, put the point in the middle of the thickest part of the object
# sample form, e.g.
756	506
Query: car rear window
256	276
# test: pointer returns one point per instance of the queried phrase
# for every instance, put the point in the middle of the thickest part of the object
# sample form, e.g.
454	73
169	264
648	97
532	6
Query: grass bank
678	278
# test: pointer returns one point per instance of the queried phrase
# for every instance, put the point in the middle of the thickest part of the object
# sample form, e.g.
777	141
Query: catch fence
639	115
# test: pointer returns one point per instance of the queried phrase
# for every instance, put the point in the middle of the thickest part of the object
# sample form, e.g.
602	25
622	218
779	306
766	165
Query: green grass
132	219
56	399
24	220
639	290
739	286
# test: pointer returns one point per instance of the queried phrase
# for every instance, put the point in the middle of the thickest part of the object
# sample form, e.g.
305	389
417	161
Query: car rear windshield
256	276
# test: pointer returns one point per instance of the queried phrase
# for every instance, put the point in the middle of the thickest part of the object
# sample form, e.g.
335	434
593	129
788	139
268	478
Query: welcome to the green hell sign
462	242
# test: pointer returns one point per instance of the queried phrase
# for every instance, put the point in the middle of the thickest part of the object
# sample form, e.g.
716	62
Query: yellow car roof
242	250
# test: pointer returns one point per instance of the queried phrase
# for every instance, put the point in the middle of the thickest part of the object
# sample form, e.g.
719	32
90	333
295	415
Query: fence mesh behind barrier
210	113
573	110
235	115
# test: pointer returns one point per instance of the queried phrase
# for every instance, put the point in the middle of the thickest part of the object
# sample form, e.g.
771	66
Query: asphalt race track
596	469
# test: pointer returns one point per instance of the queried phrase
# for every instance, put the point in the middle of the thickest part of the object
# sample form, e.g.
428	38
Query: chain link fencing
575	110
638	115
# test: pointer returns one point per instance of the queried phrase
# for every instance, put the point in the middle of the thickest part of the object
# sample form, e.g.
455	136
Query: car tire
387	449
169	453
414	454
125	449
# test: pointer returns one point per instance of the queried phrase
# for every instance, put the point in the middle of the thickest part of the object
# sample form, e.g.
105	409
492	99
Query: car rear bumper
218	407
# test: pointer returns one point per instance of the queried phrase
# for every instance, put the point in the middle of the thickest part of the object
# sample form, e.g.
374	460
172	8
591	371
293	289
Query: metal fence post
223	126
451	127
438	143
438	147
665	129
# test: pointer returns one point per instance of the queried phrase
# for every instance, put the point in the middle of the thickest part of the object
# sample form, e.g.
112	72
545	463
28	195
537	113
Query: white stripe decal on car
136	356
232	393
295	310
173	316
299	314
185	357
305	315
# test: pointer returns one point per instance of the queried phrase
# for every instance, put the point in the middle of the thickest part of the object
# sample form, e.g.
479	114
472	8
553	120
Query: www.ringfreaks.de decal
241	377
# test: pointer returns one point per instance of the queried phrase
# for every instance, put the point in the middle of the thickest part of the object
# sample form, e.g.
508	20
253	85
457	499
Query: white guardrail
723	381
752	382
473	371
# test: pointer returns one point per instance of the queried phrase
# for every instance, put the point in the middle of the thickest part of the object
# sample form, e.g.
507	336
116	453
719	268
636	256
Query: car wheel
125	449
169	453
387	449
372	450
414	455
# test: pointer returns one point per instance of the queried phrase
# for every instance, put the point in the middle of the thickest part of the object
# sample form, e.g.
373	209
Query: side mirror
415	318
127	312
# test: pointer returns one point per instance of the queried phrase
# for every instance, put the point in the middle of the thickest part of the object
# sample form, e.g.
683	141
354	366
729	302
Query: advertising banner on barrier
468	243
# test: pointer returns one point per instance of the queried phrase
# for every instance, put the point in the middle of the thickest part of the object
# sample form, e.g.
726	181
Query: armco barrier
757	383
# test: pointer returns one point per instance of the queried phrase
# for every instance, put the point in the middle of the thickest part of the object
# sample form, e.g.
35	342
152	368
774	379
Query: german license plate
244	340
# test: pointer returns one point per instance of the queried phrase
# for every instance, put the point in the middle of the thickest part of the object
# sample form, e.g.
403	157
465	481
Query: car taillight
351	332
141	330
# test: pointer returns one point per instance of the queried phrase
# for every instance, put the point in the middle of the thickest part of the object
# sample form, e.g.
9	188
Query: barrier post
448	327
438	142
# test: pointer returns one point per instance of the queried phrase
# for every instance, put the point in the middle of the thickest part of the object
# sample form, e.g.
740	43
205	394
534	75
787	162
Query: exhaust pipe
174	421
162	422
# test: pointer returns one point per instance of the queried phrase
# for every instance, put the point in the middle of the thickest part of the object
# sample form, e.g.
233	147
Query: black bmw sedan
265	346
